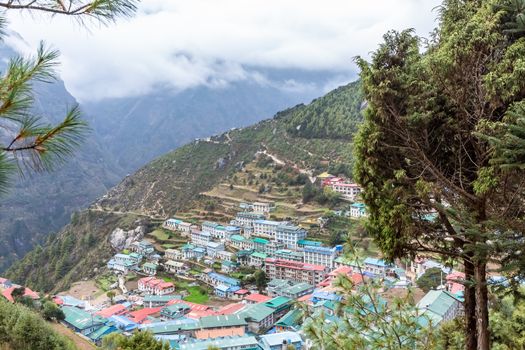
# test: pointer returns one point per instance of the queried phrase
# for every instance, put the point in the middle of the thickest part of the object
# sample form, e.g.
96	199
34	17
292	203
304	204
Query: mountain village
298	283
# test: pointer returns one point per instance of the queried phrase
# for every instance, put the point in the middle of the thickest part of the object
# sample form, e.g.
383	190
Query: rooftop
257	298
81	319
221	321
256	312
278	302
244	342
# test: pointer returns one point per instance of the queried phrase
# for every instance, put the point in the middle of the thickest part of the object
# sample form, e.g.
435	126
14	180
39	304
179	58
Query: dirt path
81	343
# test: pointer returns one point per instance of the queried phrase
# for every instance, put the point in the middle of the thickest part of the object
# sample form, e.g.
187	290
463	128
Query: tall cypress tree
431	179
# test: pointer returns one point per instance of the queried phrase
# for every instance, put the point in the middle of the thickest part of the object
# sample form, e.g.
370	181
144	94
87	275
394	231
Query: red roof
27	293
357	278
305	298
58	300
294	265
242	291
3	280
341	270
257	298
230	309
166	285
193	306
112	310
140	315
196	314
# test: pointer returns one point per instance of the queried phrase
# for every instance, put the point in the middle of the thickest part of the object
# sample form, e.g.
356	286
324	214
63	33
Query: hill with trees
175	183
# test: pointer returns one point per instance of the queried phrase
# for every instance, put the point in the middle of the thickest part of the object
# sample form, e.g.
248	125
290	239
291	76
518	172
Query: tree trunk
482	310
471	342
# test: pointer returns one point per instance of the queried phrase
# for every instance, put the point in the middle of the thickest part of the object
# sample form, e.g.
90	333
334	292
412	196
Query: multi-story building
175	267
224	255
258	207
213	247
295	271
124	262
377	267
173	254
247	218
257	259
349	191
321	255
155	286
357	210
266	228
216	230
272	247
259	244
178	225
289	289
287	254
143	247
200	238
216	279
289	235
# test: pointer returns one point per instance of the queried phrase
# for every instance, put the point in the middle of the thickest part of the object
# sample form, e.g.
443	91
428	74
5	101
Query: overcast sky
187	43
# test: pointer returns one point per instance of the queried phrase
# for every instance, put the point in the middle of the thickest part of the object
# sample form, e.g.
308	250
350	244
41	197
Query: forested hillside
171	183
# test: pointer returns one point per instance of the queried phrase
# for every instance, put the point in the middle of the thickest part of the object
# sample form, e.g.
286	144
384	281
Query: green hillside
176	182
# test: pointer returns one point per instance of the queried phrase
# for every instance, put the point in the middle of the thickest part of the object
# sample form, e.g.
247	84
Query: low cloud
187	43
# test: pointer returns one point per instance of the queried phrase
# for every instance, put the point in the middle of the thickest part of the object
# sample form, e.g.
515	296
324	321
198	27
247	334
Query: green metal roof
222	321
309	243
259	255
256	312
291	319
81	319
150	266
237	238
437	301
297	288
260	240
96	335
278	302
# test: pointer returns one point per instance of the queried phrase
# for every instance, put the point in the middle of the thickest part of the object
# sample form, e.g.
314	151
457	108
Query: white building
200	238
349	191
173	254
213	247
266	228
224	255
289	235
357	210
175	267
178	225
247	218
320	256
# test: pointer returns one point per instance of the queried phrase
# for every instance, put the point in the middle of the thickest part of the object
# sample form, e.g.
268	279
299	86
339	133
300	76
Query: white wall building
289	235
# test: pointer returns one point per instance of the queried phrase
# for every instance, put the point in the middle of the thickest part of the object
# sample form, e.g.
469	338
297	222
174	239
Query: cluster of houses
298	271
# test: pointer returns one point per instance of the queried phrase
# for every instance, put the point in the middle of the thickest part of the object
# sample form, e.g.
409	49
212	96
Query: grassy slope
173	183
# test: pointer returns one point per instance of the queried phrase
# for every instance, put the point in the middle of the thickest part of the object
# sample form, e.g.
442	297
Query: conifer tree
28	145
432	179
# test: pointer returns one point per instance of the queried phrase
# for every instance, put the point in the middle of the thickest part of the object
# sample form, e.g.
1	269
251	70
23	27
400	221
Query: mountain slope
37	205
139	129
172	183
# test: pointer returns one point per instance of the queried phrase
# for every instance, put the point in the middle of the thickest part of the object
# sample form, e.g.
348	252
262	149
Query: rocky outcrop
120	239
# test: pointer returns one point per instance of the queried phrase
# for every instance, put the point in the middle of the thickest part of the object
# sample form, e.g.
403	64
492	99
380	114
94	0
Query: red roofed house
240	294
141	315
230	309
348	190
256	298
27	293
155	286
116	309
454	282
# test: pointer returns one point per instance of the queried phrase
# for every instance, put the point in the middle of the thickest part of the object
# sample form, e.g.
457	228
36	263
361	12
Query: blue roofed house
100	333
143	247
225	343
216	279
225	291
123	262
357	210
376	267
279	341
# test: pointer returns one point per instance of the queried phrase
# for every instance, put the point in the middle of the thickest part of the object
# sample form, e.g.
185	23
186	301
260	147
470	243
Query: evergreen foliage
432	182
22	329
